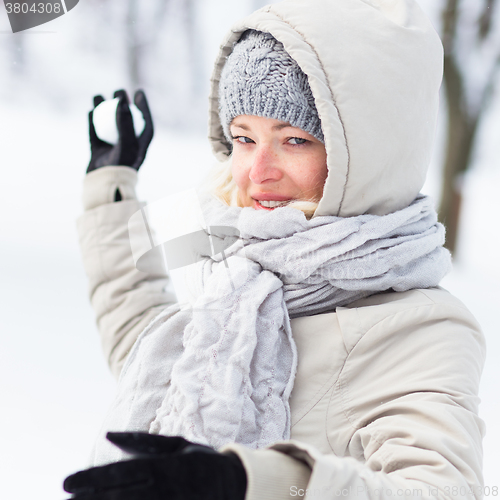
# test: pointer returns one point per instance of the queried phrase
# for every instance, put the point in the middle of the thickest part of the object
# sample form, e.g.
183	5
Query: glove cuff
100	185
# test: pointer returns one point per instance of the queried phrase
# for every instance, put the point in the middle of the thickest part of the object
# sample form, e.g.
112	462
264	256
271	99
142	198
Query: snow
53	378
104	120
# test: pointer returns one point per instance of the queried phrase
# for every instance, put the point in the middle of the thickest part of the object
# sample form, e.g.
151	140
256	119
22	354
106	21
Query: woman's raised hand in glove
162	468
129	150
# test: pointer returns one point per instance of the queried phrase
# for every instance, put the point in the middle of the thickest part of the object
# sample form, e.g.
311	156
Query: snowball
105	120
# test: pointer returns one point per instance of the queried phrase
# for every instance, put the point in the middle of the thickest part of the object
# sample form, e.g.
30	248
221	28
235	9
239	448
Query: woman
327	107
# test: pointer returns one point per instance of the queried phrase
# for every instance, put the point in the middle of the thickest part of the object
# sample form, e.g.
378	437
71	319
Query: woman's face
274	163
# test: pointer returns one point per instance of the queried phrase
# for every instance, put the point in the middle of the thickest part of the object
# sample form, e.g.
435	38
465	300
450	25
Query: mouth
270	204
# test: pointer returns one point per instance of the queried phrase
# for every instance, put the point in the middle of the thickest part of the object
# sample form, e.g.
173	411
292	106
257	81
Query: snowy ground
54	383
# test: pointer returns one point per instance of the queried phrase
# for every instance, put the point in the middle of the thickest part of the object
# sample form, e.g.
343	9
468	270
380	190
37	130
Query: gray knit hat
261	79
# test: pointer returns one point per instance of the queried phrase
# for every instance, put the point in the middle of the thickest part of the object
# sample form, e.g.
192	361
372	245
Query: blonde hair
221	184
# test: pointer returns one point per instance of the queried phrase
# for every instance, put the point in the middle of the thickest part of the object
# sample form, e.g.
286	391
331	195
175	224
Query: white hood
375	68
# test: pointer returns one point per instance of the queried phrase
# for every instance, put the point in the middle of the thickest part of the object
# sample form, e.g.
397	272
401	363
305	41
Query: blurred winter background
54	383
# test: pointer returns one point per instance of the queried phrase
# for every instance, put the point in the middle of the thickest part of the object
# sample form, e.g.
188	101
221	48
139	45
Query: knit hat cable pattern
261	79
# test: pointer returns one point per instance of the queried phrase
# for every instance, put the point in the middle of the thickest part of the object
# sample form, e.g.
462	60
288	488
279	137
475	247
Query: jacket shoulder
409	299
400	311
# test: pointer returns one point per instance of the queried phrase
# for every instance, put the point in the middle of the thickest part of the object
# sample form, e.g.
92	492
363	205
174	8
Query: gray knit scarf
222	369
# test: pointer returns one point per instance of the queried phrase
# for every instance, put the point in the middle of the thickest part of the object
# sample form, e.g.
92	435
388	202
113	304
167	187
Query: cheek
315	180
322	174
239	172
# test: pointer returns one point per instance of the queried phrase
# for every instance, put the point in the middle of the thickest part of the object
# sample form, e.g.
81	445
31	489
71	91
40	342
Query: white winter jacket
385	398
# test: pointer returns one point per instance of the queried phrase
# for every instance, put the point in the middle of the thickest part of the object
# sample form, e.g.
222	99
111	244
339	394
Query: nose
265	165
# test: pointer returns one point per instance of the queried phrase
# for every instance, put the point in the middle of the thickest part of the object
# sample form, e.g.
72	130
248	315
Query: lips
270	197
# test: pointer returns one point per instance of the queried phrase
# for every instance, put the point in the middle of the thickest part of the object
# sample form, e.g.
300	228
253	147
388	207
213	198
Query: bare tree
132	37
17	53
141	31
465	107
195	47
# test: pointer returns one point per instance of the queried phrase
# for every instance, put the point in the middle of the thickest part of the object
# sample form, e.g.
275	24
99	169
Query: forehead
249	122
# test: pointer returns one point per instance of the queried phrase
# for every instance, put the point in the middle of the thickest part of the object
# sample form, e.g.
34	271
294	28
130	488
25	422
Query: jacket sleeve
408	396
124	299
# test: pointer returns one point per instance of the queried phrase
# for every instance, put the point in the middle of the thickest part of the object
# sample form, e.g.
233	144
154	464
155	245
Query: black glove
130	150
165	468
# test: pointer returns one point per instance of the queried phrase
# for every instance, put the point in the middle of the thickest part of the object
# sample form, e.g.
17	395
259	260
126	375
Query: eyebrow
281	126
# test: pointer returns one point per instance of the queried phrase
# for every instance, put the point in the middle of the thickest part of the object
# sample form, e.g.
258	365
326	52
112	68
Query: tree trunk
463	120
195	45
459	141
17	48
133	44
459	148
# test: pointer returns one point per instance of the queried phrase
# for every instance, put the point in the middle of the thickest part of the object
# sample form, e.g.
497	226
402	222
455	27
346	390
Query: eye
242	139
296	141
